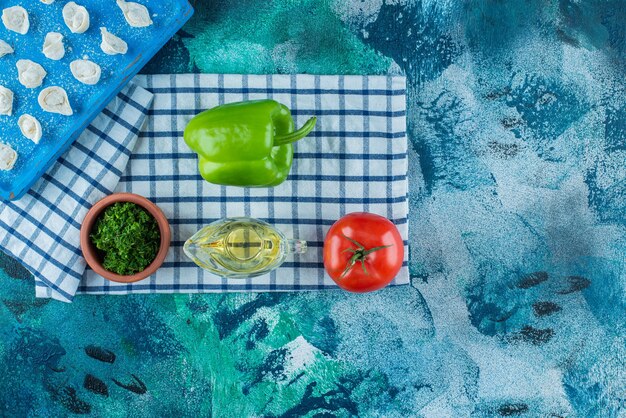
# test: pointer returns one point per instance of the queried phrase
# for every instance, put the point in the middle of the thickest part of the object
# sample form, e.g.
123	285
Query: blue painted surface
518	236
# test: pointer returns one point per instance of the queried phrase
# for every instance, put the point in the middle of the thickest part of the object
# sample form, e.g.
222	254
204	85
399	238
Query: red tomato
363	252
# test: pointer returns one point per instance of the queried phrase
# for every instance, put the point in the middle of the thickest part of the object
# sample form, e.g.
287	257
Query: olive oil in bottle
240	247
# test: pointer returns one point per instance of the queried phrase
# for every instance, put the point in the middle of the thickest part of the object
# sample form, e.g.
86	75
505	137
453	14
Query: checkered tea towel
354	160
41	230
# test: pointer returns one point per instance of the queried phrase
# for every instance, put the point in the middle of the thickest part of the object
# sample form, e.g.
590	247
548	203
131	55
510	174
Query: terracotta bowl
91	253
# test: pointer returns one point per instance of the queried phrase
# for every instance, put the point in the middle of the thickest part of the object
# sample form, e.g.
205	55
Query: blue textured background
517	123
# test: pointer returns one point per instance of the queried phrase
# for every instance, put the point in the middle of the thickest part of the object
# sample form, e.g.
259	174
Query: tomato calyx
359	254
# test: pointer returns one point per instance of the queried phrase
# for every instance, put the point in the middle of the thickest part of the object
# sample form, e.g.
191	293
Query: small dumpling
54	100
16	19
136	14
85	71
30	74
5	49
8	157
76	17
30	127
53	46
47	1
111	44
6	101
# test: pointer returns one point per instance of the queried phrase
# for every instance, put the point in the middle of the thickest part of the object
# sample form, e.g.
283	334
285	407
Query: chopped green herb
128	237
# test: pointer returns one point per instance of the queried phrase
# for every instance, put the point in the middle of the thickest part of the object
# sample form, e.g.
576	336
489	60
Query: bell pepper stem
296	135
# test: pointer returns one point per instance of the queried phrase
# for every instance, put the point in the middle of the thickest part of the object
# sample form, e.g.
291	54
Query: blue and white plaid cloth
41	230
355	160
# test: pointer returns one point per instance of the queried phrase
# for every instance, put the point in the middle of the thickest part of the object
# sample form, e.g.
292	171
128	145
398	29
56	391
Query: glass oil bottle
240	247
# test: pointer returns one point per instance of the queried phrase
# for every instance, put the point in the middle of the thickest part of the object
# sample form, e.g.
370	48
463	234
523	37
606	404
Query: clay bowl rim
90	253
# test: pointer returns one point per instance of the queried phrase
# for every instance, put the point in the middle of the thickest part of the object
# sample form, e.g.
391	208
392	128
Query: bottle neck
296	246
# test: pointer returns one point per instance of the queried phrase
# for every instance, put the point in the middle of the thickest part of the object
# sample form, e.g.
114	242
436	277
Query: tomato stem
359	255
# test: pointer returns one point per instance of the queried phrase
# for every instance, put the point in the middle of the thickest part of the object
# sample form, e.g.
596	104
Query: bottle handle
296	246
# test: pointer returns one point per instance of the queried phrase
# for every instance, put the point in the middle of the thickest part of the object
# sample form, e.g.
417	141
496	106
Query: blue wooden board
59	131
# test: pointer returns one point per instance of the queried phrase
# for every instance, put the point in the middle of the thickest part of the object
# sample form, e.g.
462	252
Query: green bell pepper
246	144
